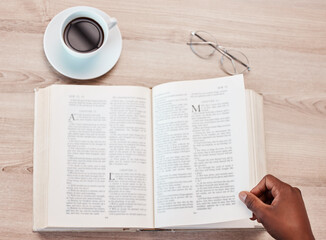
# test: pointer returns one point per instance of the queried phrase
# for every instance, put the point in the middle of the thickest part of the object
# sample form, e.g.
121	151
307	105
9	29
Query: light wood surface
285	42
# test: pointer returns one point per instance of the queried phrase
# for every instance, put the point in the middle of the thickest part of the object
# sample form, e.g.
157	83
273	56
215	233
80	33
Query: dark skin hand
280	208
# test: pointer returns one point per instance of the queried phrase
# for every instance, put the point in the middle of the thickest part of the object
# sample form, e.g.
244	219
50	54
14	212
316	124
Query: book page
100	170
200	151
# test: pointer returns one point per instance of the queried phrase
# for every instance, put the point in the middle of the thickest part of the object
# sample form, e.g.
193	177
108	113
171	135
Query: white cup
92	13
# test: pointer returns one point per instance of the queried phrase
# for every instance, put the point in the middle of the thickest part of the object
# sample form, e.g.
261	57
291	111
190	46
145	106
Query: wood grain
285	42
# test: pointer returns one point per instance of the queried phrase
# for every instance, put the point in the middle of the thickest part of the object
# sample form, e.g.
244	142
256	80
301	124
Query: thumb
253	203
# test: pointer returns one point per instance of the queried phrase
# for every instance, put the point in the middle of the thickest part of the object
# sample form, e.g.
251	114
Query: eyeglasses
204	45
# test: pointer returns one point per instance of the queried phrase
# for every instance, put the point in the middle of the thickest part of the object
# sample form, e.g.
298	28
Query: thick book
133	158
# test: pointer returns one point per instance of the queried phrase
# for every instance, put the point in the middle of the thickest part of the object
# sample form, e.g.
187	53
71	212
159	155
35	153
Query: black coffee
83	35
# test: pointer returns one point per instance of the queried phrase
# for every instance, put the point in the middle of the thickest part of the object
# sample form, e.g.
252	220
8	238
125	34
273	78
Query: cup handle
112	23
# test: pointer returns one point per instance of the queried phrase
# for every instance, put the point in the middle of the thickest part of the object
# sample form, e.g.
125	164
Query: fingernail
242	196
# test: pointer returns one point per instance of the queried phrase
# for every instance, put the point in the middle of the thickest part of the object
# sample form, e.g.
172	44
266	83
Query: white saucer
78	68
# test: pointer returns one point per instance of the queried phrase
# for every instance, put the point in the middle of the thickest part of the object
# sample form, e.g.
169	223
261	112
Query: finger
263	198
268	183
253	203
269	198
266	197
269	195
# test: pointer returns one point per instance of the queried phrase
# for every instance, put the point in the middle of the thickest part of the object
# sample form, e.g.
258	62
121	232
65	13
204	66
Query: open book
129	157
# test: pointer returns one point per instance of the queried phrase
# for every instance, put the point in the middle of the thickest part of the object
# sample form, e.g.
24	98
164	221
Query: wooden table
284	40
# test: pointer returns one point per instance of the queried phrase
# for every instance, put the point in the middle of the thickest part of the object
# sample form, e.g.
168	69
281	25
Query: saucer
79	68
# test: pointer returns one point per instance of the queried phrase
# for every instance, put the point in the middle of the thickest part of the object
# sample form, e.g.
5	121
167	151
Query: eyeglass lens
231	66
201	47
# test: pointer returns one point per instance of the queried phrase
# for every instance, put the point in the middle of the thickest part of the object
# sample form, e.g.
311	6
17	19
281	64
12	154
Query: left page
100	167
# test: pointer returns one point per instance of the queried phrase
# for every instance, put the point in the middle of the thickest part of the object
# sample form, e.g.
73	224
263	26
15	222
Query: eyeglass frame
221	50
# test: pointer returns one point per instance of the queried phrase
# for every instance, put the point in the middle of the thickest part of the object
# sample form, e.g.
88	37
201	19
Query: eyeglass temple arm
212	44
222	51
200	43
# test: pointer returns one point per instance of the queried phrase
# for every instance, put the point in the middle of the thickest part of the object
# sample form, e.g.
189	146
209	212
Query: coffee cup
85	32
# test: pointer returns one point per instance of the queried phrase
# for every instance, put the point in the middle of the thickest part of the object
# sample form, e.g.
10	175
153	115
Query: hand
280	208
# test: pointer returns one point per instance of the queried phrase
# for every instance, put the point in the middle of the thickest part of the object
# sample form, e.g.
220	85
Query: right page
200	151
